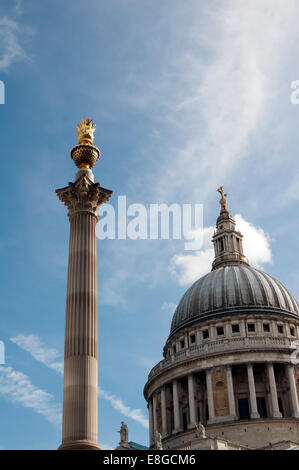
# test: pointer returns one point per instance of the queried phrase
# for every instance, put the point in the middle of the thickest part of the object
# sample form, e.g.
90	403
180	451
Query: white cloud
33	345
118	404
10	47
256	243
18	388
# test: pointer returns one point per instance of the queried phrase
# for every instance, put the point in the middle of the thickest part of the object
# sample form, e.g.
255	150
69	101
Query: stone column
275	408
150	417
80	392
154	413
293	390
176	407
210	397
192	416
252	395
163	412
230	391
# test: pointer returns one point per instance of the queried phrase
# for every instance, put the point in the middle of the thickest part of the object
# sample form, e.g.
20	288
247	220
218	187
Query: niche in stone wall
220	395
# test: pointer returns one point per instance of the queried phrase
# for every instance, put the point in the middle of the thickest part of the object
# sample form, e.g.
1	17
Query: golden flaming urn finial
85	154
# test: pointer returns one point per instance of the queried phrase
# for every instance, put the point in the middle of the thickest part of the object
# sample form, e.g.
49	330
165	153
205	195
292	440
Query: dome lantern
227	240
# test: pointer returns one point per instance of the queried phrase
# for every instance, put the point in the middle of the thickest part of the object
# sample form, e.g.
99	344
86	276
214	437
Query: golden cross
222	200
221	191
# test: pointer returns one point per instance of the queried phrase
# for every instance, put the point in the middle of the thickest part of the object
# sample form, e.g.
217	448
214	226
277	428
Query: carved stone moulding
83	196
85	156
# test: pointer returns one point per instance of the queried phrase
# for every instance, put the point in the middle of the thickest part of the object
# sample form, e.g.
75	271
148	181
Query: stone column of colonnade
252	394
210	397
163	412
231	395
273	391
293	390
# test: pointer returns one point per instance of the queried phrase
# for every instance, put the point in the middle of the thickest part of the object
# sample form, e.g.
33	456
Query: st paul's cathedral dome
229	366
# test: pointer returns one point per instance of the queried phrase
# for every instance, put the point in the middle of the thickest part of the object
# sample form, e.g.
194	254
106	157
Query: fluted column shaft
210	396
80	391
230	392
293	390
176	407
163	412
155	413
192	416
252	394
80	400
274	400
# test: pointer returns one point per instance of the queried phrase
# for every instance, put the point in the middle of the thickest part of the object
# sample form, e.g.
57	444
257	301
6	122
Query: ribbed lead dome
232	289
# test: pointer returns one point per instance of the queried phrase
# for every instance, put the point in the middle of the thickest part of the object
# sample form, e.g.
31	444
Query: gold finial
85	134
85	154
222	200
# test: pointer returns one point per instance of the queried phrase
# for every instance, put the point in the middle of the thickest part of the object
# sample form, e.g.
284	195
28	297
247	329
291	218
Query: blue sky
186	96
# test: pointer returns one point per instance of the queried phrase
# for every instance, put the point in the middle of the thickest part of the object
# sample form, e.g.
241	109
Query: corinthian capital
83	196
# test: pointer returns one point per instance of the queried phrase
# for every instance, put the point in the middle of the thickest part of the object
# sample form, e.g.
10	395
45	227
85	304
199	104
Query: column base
276	415
79	445
254	415
191	426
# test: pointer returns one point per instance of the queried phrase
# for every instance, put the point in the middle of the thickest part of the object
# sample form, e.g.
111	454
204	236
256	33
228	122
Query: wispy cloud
47	356
212	93
256	243
10	46
118	404
169	307
18	388
34	346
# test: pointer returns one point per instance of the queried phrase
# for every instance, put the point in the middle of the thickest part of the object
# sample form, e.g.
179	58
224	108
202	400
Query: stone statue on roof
124	434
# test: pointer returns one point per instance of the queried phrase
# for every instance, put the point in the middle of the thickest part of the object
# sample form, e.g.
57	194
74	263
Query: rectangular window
266	327
292	331
182	343
205	334
220	330
243	408
236	328
261	407
192	339
280	329
251	327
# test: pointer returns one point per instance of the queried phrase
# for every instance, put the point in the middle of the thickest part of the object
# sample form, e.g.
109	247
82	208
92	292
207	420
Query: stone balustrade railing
224	345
